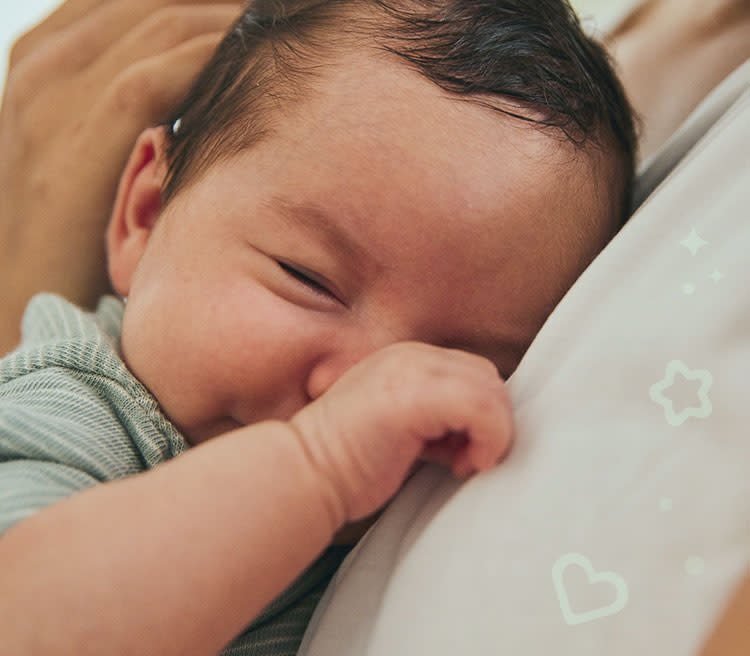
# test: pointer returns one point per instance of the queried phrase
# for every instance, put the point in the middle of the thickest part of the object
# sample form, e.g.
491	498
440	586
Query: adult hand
81	86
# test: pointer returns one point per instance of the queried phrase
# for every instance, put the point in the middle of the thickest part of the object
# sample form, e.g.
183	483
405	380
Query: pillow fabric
620	522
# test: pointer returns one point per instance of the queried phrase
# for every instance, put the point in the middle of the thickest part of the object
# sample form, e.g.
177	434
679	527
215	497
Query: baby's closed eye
304	276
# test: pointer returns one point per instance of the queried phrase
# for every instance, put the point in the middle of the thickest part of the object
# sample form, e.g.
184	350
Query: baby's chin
205	432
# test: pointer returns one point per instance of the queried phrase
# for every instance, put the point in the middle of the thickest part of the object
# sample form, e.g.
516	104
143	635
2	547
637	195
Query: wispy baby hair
525	58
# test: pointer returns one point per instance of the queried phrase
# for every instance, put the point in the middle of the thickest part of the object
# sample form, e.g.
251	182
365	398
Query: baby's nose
330	368
349	348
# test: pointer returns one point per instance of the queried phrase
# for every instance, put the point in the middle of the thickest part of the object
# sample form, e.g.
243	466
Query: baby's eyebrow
320	223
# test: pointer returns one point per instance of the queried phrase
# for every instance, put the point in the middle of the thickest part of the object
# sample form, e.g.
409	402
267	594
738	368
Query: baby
334	253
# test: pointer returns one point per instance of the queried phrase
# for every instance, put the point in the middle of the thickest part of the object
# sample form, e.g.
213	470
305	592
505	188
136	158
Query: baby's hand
406	401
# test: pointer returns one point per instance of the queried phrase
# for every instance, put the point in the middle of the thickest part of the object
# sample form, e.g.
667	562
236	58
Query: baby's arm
173	561
179	559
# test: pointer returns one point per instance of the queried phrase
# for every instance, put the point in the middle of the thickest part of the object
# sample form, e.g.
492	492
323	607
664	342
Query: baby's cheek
158	350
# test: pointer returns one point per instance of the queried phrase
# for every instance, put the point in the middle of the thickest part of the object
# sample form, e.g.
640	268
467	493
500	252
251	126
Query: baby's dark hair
525	58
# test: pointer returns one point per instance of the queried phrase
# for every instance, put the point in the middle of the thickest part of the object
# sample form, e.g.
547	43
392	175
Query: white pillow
620	523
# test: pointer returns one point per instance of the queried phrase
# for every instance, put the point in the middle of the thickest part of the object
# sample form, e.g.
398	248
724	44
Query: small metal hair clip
176	126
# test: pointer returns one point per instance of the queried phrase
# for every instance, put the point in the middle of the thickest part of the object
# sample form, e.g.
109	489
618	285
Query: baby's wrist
315	462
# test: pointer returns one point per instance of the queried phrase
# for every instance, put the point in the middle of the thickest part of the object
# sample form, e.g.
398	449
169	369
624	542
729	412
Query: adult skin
85	82
671	53
81	87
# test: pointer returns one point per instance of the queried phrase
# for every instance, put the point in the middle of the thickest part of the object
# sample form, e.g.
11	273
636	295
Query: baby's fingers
475	430
462	456
444	450
476	456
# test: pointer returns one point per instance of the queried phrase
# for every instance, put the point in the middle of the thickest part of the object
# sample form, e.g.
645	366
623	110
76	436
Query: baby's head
346	174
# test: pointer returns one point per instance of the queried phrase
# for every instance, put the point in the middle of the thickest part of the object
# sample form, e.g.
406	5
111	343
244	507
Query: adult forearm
177	560
731	636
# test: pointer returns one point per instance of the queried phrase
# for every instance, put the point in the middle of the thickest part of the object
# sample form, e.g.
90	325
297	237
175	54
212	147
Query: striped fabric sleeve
27	486
57	437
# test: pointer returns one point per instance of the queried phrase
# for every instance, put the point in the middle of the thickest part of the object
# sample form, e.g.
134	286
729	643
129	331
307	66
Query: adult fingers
111	21
101	144
161	32
66	14
144	93
89	29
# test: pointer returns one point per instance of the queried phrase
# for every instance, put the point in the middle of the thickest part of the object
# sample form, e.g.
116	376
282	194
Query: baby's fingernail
463	470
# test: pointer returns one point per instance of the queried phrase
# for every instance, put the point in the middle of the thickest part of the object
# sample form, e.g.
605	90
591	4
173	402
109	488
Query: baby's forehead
383	131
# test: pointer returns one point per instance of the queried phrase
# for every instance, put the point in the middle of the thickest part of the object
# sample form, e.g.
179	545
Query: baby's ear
137	207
